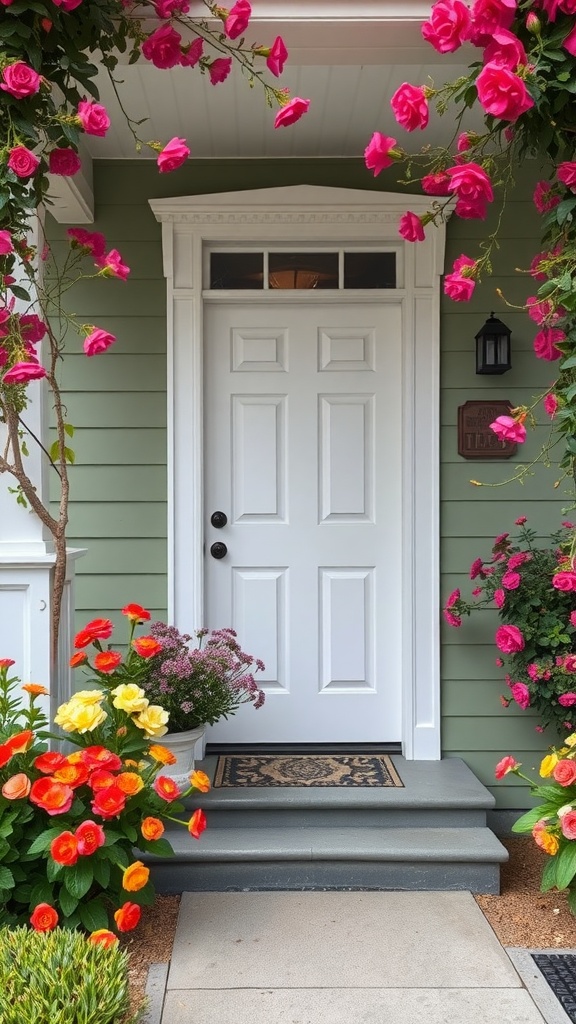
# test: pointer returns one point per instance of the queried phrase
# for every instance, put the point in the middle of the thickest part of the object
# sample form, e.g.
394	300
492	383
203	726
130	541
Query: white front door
303	417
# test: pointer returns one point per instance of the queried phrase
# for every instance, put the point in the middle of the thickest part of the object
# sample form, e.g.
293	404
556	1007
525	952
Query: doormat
306	770
559	969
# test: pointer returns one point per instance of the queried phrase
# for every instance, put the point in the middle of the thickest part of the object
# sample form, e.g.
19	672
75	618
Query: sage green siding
118	509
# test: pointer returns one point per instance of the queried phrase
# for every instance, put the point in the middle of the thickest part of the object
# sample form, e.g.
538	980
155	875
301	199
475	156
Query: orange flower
136	613
20	742
64	849
129	782
152	828
127	917
135	876
101	779
161	754
98	629
78	659
6	662
90	837
5	754
72	775
109	802
146	646
44	918
35	689
103	937
53	797
107	661
50	761
197	823
101	757
17	787
166	788
200	781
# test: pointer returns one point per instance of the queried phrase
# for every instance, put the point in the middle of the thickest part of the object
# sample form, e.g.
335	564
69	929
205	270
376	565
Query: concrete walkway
340	958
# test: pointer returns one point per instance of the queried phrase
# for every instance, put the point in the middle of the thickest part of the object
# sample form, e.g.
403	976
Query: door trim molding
312	214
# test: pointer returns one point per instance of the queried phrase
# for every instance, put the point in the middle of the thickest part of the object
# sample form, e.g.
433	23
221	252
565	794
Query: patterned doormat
306	770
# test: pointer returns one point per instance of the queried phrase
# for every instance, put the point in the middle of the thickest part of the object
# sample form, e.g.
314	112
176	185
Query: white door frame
312	214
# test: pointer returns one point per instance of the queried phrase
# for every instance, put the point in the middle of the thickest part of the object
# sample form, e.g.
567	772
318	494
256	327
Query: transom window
302	270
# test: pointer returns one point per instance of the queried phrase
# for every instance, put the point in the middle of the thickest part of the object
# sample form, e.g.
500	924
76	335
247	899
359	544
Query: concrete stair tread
338	844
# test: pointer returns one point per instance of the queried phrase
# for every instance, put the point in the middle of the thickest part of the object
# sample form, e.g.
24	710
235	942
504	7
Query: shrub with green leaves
61	977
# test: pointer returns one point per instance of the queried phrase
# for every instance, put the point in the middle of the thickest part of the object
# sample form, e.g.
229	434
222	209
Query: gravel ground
520	916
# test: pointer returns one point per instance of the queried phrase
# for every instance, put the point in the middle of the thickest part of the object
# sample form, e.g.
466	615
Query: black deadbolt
218	519
218	550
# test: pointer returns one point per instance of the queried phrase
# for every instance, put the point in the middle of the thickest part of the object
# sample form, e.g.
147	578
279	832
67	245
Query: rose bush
73	826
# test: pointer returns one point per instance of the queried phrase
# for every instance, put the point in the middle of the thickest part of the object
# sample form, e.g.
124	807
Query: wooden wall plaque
475	439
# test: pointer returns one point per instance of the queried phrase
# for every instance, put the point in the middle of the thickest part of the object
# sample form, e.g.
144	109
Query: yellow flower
153	720
87	697
135	876
130	698
78	717
570	740
549	843
548	765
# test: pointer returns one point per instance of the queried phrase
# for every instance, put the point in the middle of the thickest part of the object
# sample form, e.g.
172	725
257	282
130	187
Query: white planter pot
187	747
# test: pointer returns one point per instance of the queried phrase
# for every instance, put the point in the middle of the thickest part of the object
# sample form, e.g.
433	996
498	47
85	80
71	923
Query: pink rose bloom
277	57
490	15
508	429
533	671
93	118
535	271
22	372
570	42
292	112
5	243
167	8
502	93
237	21
477	591
505	50
436	184
23	162
568	525
68	5
411	227
471	210
469	181
174	154
507	764
93	241
568	824
219	70
458	288
566	173
521	520
499	662
410	107
162	47
190	57
377	155
544	310
449	26
550	404
545	343
20	80
112	265
509	639
98	341
511	580
463	142
544	198
570	662
565	581
451	618
567	700
476	568
517	560
573	618
32	327
521	695
64	161
499	598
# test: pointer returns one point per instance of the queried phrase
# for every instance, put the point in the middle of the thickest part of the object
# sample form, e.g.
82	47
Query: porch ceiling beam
72	199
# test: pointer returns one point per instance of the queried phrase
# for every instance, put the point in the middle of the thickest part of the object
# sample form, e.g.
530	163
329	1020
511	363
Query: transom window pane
236	270
303	270
369	269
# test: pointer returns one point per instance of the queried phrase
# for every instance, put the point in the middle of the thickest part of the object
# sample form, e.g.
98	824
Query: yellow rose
152	720
129	697
86	697
549	844
548	765
570	740
77	717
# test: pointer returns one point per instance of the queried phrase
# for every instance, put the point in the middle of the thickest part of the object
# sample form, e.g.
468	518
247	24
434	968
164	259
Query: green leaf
42	892
565	866
79	878
6	878
101	872
69	429
527	821
549	875
42	842
69	456
19	292
67	902
93	915
572	900
160	847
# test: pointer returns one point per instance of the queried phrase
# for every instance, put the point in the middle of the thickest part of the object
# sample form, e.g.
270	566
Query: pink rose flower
545	343
4	356
490	15
162	47
277	57
573	618
517	560
567	700
533	671
64	161
570	662
379	153
463	142
292	112
521	520
112	265
568	824
219	69
458	288
451	617
473	188
23	162
502	93
508	429
174	154
32	327
477	591
6	246
543	310
505	50
499	598
521	695
511	580
550	404
410	107
471	210
499	662
68	5
449	26
507	764
98	341
411	227
544	198
190	57
509	639
436	184
167	8
237	21
566	173
476	568
22	372
93	118
20	80
92	241
565	580
570	42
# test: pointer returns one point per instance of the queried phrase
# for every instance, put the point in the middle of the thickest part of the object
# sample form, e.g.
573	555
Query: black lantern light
493	347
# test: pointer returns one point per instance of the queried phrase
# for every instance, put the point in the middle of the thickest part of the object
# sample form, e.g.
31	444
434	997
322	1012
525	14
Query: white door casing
321	216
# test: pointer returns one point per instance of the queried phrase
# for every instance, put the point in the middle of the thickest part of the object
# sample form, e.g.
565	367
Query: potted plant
534	590
198	685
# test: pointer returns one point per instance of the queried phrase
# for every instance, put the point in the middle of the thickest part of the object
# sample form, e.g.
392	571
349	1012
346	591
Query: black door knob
218	519
218	550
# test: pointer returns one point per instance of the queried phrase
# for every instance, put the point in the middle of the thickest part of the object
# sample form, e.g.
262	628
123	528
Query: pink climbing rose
174	154
20	80
509	639
219	69
451	617
449	26
64	161
566	173
507	428
410	106
502	93
23	372
93	118
507	764
23	162
237	21
291	112
277	57
546	341
411	227
98	341
162	47
380	153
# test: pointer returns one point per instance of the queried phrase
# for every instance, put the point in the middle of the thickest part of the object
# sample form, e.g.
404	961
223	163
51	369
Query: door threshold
303	748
